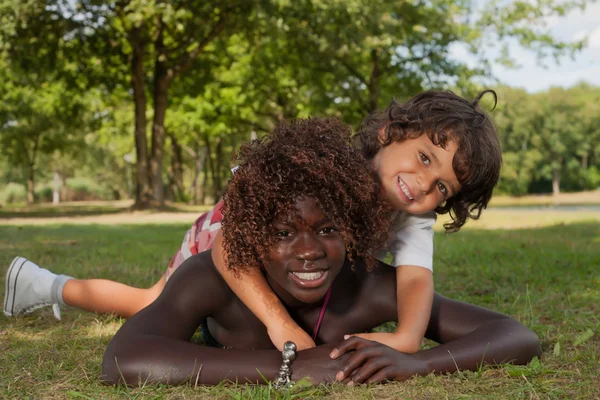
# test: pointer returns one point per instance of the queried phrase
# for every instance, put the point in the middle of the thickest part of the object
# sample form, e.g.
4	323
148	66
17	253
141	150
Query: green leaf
535	363
584	337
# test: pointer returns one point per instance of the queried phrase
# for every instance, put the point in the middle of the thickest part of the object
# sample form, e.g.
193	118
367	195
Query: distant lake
550	207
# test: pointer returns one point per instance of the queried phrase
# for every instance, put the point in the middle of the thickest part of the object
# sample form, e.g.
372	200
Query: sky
534	77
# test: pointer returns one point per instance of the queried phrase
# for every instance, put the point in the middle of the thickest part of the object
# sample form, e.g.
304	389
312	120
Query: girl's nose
308	247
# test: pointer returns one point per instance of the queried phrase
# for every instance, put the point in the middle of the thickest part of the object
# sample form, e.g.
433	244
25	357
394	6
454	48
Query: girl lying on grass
304	211
436	153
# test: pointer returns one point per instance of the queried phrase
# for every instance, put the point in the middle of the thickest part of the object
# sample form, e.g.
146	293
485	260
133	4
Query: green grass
546	277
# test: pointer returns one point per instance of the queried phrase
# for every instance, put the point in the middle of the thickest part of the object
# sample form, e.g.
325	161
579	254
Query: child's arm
258	296
414	295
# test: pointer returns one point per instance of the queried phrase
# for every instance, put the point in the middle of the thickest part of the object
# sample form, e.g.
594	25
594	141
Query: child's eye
442	188
283	234
327	231
424	158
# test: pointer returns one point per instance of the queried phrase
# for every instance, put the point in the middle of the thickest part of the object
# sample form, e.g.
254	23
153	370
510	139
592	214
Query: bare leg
104	296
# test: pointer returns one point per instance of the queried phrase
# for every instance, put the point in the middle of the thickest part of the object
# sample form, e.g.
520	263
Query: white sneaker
29	287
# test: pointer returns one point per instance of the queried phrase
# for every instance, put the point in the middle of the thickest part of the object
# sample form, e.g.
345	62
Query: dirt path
108	219
117	213
491	219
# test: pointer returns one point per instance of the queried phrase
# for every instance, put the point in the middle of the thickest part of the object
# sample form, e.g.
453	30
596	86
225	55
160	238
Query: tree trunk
30	183
556	181
56	191
194	186
142	189
199	166
170	194
63	186
30	162
202	186
177	168
210	169
218	167
161	86
196	193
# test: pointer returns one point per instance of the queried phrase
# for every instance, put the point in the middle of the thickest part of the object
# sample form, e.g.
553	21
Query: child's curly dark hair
311	158
443	116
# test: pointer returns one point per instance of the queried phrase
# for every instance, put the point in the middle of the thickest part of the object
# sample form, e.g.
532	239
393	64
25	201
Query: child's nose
426	182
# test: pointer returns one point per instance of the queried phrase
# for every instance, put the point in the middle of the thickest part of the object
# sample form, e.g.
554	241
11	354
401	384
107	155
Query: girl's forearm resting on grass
145	352
497	342
469	335
176	362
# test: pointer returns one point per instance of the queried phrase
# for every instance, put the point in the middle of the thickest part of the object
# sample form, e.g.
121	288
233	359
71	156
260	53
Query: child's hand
370	362
281	333
401	342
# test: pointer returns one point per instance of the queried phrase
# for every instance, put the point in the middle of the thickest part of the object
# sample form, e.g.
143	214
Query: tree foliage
159	93
550	139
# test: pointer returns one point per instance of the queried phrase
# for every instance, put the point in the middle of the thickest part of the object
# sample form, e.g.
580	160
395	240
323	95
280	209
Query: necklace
321	314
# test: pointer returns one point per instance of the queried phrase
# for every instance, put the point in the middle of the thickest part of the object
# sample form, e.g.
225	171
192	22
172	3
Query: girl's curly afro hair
305	158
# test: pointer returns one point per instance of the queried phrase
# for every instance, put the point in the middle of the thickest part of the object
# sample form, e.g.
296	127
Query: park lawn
591	197
546	277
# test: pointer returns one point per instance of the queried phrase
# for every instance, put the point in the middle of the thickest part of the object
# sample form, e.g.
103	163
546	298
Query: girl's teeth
404	189
308	276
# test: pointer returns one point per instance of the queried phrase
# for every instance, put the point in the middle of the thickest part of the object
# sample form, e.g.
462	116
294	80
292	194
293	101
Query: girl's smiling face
416	175
307	256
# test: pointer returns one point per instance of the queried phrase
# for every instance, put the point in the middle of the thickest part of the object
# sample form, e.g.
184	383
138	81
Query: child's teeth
308	276
404	189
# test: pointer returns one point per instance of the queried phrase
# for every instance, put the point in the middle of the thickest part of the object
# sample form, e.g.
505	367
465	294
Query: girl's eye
328	231
424	158
283	234
442	188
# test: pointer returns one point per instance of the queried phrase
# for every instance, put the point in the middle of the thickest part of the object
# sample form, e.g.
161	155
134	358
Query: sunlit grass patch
589	197
498	218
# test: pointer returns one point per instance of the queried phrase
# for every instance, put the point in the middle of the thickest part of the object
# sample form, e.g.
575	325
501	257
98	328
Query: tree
549	137
37	121
158	41
513	117
247	64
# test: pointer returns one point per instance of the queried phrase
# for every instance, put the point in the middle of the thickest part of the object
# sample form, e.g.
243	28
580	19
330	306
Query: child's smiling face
416	175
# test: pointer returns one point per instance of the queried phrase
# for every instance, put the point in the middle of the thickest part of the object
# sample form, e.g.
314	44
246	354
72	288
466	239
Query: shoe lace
55	309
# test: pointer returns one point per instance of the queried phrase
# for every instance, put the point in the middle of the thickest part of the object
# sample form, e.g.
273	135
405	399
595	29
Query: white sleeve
411	241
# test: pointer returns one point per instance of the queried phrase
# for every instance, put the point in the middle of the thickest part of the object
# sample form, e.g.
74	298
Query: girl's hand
281	333
371	362
316	365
